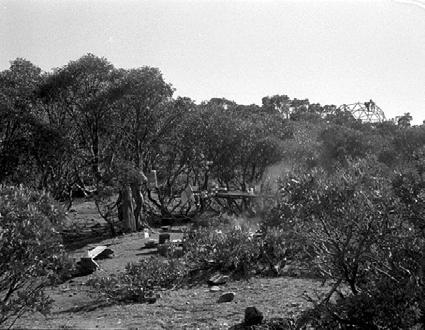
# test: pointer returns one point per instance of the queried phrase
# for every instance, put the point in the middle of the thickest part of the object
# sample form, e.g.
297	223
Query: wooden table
247	199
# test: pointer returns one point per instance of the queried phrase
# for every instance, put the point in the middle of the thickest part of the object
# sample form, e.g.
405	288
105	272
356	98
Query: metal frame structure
366	112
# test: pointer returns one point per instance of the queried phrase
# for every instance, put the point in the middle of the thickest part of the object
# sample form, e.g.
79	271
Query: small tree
31	253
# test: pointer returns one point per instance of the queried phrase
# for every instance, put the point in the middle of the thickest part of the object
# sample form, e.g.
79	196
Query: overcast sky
330	52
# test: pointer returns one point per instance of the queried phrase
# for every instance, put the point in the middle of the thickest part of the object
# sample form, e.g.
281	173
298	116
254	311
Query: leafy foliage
235	248
31	252
140	280
365	239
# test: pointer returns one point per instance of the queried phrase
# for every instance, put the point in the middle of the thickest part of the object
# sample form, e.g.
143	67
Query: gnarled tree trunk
127	209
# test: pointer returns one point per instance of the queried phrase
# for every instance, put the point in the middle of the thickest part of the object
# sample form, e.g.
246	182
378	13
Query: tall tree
277	103
148	117
17	115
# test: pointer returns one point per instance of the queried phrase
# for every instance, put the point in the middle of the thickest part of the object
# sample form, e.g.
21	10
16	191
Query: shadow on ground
88	307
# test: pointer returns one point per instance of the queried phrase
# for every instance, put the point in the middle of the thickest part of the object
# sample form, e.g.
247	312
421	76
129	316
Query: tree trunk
139	202
128	210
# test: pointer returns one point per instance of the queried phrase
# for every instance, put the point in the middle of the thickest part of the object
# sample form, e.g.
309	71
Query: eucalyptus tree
277	104
24	136
79	98
150	120
240	141
147	117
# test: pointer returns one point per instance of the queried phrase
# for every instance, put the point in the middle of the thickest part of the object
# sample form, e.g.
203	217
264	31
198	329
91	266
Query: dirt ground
194	308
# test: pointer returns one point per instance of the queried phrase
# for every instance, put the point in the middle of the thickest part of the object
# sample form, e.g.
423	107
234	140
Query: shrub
140	280
274	250
229	250
386	304
364	237
31	253
235	249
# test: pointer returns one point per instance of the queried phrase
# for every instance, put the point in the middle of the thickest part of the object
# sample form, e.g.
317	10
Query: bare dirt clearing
189	308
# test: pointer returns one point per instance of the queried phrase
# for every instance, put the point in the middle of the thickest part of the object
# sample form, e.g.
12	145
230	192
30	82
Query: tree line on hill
89	126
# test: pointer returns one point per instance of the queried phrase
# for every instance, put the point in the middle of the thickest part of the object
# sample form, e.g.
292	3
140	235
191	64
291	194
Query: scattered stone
253	316
226	297
217	279
215	289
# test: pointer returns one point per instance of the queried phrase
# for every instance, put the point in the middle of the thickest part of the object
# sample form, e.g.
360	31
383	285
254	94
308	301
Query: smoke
270	179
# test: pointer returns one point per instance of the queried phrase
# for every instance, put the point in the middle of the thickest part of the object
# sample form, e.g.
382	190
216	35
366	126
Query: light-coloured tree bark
128	210
139	200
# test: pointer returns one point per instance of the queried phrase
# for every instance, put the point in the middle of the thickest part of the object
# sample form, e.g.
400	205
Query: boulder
253	316
226	297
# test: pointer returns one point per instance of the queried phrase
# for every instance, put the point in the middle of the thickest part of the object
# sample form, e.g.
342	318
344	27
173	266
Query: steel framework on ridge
366	112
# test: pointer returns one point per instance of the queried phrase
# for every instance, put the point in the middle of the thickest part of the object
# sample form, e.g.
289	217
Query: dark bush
31	253
365	237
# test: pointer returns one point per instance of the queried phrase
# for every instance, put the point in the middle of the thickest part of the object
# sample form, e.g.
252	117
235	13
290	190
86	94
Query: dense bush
140	280
31	253
233	246
362	236
230	250
385	304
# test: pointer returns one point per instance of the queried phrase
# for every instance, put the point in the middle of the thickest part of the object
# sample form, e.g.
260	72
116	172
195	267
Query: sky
329	52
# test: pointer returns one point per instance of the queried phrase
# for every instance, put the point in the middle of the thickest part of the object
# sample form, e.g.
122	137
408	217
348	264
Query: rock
217	279
215	289
253	316
226	297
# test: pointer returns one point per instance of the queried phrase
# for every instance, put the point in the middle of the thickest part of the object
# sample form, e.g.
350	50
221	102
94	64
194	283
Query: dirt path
194	308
